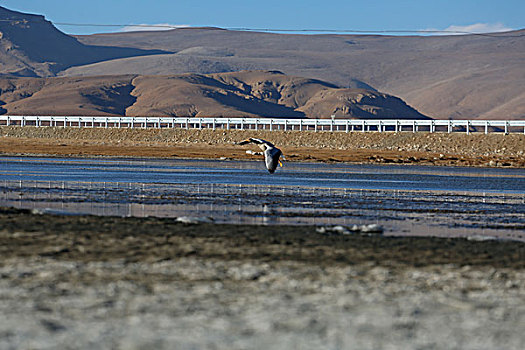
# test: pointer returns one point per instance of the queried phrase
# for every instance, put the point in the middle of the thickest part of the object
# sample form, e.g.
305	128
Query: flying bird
270	152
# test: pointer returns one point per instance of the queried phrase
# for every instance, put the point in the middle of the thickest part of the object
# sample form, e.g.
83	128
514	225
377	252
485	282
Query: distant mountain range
143	73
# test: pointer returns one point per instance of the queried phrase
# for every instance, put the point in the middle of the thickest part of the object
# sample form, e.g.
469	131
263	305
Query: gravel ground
192	303
136	283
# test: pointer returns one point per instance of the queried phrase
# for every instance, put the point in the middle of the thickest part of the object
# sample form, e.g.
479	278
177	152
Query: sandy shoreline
493	150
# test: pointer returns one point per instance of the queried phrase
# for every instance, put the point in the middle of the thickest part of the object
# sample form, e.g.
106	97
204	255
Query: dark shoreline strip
94	238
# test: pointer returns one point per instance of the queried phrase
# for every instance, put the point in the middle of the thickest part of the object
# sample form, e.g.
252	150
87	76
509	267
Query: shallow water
405	200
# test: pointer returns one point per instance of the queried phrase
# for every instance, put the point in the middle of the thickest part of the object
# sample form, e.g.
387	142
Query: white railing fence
345	125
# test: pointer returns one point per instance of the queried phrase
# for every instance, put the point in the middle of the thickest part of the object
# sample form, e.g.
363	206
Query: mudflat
88	281
94	238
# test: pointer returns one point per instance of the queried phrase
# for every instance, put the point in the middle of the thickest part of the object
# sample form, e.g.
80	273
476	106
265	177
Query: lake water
405	200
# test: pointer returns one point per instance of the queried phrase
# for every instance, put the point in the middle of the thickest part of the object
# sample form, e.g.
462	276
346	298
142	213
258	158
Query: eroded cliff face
247	94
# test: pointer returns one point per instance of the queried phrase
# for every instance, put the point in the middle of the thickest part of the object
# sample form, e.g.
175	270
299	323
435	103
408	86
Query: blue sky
374	15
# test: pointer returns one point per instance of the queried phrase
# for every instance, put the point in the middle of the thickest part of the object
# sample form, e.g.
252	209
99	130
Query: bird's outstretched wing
244	142
256	141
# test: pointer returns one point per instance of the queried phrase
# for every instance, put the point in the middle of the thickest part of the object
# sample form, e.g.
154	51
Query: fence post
506	127
486	127
468	127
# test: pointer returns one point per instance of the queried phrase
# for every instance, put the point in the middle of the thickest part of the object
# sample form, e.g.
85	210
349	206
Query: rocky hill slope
31	46
248	93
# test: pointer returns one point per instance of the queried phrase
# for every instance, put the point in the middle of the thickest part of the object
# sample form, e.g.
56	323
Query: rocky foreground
457	149
134	283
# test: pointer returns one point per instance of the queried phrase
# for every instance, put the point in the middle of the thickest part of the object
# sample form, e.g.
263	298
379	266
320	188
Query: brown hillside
32	46
66	96
251	94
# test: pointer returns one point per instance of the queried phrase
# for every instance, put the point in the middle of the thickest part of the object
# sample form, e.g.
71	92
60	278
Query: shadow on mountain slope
32	46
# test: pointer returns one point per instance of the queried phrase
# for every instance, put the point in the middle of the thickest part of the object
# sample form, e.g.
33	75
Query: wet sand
93	238
99	282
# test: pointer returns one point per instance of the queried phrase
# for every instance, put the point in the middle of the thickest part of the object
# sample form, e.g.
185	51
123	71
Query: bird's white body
271	153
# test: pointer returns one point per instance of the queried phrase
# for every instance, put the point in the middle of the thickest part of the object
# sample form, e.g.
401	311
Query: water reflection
401	212
252	173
